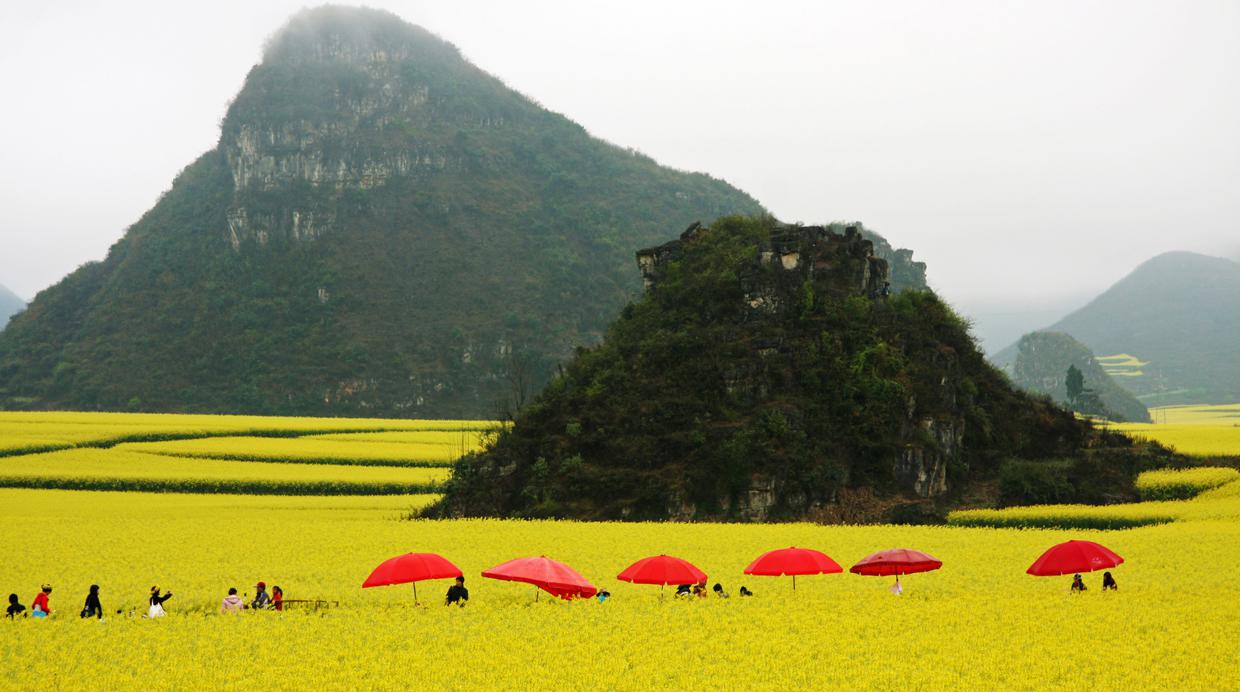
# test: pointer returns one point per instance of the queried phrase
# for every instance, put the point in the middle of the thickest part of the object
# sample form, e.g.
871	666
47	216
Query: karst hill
382	229
767	374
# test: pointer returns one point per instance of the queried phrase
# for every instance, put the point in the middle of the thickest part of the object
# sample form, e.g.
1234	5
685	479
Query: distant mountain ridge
10	304
383	229
1179	315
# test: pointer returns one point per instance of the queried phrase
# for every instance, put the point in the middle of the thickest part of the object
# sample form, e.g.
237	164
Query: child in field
745	592
15	608
684	591
897	588
156	609
41	608
232	602
719	592
1078	584
603	596
1108	582
93	609
277	598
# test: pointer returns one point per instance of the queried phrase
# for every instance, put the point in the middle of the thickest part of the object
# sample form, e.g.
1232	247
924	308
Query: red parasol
1073	557
556	578
791	562
896	561
411	567
662	570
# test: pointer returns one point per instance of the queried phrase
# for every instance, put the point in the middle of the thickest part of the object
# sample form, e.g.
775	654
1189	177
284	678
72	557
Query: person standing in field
261	598
277	598
15	608
93	609
232	602
457	593
156	609
1108	582
41	608
1078	584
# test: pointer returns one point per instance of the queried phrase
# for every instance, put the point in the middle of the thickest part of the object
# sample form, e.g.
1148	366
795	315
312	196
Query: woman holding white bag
157	603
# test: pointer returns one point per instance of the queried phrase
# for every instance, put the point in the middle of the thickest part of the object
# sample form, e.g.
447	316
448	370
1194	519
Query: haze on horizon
1031	153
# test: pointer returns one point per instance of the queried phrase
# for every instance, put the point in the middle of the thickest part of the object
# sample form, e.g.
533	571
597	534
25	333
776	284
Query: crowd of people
457	595
93	607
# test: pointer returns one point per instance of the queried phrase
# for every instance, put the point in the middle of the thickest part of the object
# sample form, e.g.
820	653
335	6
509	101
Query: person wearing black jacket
15	608
457	593
93	609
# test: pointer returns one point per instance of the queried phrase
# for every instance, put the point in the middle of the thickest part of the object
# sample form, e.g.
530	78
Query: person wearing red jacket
40	607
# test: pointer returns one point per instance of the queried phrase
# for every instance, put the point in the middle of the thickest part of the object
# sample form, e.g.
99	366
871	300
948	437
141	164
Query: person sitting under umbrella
1078	584
457	593
1108	582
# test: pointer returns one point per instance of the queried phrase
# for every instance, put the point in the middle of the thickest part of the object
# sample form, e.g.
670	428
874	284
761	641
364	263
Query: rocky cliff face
766	374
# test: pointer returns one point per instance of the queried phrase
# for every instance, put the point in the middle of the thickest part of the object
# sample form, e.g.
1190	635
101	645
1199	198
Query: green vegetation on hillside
383	229
698	404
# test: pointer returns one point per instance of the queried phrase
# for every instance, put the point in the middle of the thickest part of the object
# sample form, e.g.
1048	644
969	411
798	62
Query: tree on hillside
1075	383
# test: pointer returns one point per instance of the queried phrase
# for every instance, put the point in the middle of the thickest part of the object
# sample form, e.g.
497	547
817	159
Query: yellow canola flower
978	623
119	469
312	450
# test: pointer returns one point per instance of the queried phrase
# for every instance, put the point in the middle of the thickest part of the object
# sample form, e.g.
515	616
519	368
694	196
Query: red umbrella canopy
662	569
1073	557
554	577
793	561
411	567
896	561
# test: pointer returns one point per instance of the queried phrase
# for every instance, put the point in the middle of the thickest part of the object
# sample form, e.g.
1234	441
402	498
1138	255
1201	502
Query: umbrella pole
535	594
415	593
794	582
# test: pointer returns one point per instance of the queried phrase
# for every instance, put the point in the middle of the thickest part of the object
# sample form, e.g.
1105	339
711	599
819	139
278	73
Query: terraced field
231	454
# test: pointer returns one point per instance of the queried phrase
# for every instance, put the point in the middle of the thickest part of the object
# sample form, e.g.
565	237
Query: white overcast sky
1031	152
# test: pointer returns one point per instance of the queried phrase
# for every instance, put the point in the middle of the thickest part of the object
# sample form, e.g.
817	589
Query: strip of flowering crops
979	622
120	470
23	432
1175	484
436	451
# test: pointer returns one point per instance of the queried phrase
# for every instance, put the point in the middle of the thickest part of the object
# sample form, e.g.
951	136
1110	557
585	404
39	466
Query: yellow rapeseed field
1202	431
980	622
1182	483
314	450
118	469
19	428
